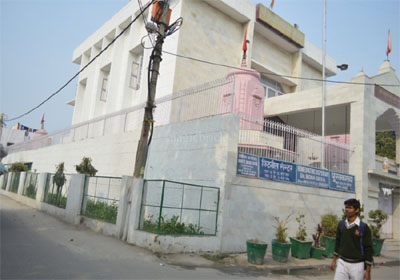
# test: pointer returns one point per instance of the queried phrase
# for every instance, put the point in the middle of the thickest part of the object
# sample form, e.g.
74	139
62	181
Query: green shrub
31	191
86	167
54	199
59	179
281	229
102	211
329	223
171	226
301	231
18	167
378	218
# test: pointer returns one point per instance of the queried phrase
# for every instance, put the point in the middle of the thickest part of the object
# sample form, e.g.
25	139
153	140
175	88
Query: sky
38	38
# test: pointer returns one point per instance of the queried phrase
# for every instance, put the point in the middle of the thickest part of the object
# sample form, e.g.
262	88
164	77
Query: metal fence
176	208
287	143
101	198
30	185
200	101
5	179
56	194
14	182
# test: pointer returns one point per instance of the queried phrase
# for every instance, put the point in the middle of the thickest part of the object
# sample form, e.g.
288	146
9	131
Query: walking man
353	246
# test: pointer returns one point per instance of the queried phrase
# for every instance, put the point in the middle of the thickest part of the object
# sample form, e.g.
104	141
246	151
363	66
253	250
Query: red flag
272	4
42	121
245	42
389	44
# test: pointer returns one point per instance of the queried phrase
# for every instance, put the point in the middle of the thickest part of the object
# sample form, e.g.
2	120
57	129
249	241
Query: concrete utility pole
323	85
1	124
142	150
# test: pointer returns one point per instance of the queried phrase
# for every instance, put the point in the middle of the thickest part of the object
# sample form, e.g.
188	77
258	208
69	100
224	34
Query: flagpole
323	84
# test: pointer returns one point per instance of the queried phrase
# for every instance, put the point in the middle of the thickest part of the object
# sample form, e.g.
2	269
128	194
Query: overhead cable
274	74
83	68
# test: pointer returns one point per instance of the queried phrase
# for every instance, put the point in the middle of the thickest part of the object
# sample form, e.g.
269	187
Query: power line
273	74
83	68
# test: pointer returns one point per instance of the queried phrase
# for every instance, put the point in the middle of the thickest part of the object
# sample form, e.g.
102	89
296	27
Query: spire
42	123
244	48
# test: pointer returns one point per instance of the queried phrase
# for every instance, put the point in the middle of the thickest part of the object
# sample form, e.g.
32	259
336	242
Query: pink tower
247	96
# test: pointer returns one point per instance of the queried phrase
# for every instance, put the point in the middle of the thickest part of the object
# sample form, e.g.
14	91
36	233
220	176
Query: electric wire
274	74
83	68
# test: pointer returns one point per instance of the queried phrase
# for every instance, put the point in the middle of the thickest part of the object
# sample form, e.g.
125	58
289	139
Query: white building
111	92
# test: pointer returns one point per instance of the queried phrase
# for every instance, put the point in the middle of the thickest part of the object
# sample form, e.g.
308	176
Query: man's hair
352	202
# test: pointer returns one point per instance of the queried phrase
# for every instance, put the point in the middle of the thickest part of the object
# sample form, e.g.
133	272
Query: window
103	91
272	88
136	67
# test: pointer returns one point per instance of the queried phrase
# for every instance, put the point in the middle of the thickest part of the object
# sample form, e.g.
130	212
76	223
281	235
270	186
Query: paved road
37	246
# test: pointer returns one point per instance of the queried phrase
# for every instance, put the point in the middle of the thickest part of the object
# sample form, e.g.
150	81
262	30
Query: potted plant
300	246
329	223
281	248
316	250
378	218
256	251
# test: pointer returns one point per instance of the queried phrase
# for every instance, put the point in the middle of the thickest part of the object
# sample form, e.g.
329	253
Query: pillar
74	198
124	205
21	183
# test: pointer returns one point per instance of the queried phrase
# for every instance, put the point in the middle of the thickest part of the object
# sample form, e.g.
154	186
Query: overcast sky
39	36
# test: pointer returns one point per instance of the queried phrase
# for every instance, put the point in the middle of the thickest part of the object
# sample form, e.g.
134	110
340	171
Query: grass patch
60	202
102	211
171	226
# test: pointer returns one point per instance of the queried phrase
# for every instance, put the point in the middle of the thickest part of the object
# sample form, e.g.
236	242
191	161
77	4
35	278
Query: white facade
118	79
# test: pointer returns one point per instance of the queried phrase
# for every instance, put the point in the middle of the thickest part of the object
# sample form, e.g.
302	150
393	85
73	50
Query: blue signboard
247	165
277	170
313	177
342	182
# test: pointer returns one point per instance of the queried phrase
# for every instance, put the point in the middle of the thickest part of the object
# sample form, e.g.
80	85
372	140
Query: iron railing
101	198
30	185
54	194
176	208
14	181
200	101
5	179
287	143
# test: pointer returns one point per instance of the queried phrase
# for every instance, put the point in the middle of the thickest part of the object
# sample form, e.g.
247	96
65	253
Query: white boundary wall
112	155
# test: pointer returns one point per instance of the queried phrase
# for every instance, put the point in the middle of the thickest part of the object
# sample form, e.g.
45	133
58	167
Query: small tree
86	167
59	179
329	223
317	236
301	232
378	218
18	167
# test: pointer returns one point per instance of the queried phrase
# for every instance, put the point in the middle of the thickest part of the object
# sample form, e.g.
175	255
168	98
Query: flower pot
329	244
280	251
256	251
317	253
377	244
300	249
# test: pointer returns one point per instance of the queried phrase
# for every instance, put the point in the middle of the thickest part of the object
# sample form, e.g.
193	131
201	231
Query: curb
288	270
